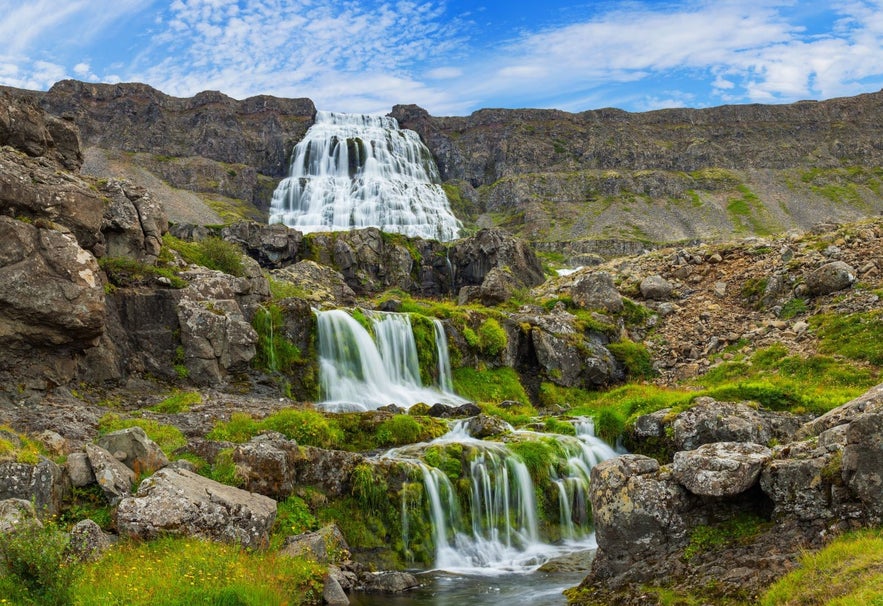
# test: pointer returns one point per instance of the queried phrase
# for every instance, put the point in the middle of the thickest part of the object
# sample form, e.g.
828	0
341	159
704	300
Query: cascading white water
498	530
352	171
358	372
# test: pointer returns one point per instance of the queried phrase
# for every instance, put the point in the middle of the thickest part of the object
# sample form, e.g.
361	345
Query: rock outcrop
183	503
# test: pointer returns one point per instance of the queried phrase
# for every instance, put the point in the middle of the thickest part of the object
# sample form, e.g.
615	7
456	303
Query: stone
114	477
271	245
182	503
14	513
267	466
656	288
637	512
332	592
317	283
88	541
389	582
597	291
484	426
829	278
79	470
720	469
711	421
134	222
42	483
720	289
498	286
54	442
473	258
326	545
862	464
870	401
139	453
797	483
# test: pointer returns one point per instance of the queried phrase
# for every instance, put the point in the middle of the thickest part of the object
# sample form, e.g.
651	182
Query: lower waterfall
361	372
488	520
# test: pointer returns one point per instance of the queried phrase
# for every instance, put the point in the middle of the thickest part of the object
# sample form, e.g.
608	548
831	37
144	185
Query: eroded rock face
637	513
473	258
266	465
863	461
43	484
134	222
180	502
271	245
51	291
318	283
27	128
720	469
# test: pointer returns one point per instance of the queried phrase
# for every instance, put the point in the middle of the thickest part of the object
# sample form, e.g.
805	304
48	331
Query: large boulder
803	482
656	287
597	291
711	421
88	541
139	453
870	401
267	465
42	483
316	283
389	581
829	278
720	469
180	502
573	361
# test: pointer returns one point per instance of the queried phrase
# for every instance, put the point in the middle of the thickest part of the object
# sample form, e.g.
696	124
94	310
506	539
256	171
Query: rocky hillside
591	182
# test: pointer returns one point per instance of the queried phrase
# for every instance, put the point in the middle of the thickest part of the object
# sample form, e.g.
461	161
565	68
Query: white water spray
353	171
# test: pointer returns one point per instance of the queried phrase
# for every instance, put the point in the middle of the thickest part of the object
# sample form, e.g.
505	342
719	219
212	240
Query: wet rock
175	502
42	483
484	426
720	469
332	592
829	278
140	454
114	477
389	582
326	545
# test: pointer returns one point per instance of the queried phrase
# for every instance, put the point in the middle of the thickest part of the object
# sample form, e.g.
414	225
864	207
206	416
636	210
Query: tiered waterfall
352	171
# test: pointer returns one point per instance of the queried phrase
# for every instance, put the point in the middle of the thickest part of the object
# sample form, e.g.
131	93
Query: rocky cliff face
664	175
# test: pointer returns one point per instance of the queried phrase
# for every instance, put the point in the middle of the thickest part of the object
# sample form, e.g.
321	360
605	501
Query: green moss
491	385
212	252
740	529
794	307
369	488
398	431
275	353
492	337
124	272
635	357
537	455
177	402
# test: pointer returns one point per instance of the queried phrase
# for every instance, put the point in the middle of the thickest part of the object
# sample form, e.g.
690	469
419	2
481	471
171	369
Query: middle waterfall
352	171
358	372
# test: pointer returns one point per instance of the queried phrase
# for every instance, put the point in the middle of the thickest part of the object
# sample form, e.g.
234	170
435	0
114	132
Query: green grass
848	572
177	402
489	385
211	252
856	336
124	272
307	427
178	572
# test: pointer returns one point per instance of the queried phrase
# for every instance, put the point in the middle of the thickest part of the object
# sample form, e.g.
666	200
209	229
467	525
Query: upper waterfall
352	171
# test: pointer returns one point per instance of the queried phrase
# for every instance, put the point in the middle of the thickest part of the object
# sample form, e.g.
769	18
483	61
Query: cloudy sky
455	56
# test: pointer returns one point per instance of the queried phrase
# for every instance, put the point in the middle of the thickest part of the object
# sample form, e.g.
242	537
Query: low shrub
36	567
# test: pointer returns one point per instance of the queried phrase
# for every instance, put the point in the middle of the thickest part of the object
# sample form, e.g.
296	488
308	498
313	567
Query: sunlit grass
174	571
848	572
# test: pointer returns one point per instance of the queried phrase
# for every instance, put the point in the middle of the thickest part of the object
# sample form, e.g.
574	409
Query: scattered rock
88	541
597	291
79	470
114	477
656	287
139	453
16	512
332	592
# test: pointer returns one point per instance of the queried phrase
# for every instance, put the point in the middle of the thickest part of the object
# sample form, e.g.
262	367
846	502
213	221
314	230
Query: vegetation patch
306	427
275	353
635	357
489	385
848	572
125	272
740	529
212	252
173	571
856	336
168	437
35	567
178	402
18	447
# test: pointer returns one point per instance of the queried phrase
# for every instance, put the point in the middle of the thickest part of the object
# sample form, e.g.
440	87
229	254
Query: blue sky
455	56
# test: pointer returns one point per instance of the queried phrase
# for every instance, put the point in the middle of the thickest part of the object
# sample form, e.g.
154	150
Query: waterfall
492	524
352	171
358	372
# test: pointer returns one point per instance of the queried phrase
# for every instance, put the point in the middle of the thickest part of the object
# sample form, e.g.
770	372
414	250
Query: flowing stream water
489	533
352	171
